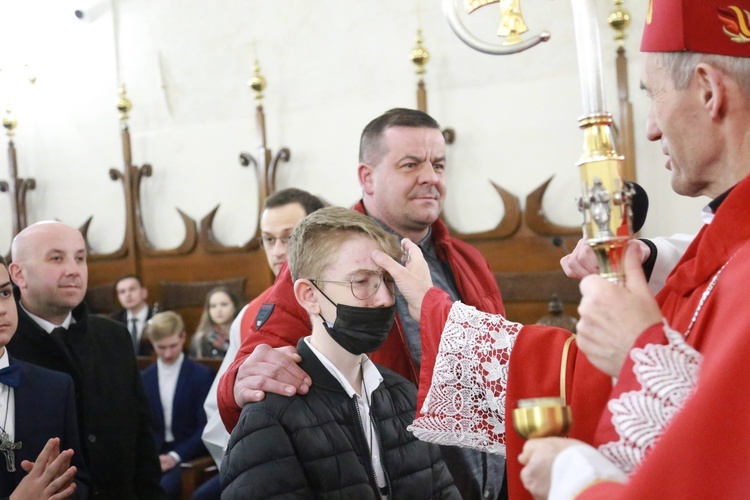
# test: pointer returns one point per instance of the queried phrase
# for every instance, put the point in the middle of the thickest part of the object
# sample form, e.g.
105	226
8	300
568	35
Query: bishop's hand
614	316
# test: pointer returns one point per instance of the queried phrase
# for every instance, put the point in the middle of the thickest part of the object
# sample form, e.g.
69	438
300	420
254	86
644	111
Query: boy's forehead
354	254
172	339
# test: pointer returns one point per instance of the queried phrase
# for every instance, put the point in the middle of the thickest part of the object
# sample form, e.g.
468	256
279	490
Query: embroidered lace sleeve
465	405
667	375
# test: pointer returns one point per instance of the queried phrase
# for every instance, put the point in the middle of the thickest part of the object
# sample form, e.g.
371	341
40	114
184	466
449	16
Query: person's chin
72	300
427	215
6	333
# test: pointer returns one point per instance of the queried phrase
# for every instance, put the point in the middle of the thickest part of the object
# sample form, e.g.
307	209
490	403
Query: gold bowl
542	417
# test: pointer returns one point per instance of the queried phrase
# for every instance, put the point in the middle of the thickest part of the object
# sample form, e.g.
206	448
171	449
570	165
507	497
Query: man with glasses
345	438
281	212
402	175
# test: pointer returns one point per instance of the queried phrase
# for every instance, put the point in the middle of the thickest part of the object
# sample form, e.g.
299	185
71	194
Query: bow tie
11	375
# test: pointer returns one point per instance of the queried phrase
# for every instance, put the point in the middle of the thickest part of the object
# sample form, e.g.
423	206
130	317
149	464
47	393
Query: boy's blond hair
315	241
163	325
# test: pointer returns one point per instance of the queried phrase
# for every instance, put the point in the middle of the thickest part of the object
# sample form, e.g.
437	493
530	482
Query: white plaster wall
331	66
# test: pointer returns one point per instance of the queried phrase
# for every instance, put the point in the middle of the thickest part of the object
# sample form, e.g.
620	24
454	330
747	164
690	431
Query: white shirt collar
707	215
4	359
46	325
371	377
174	367
140	316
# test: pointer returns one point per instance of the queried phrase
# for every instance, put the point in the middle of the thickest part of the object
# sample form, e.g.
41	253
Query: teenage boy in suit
176	388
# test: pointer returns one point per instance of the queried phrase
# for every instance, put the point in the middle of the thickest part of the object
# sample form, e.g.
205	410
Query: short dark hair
287	196
369	142
128	276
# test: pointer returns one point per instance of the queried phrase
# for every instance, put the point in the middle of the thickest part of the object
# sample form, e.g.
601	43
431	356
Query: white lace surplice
667	375
465	405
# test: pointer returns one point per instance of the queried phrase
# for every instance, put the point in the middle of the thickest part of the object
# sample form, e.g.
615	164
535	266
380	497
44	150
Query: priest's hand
613	316
50	477
537	458
582	262
269	369
412	279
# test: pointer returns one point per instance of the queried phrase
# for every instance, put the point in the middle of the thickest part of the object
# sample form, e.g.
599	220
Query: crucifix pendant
7	447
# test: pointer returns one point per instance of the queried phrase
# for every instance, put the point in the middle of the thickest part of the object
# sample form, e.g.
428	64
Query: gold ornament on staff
606	198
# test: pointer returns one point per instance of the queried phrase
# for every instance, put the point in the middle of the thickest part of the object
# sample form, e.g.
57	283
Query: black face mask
360	330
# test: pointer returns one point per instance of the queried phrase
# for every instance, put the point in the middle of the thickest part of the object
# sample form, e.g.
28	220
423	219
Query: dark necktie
59	333
134	333
11	375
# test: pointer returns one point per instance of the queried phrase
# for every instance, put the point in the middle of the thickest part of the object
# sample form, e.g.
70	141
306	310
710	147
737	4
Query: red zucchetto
707	26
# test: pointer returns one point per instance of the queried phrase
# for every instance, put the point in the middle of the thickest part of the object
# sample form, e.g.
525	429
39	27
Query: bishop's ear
304	293
712	89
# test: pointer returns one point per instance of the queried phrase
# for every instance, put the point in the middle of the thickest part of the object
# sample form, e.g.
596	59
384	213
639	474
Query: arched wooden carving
265	171
507	226
537	220
135	240
144	245
210	244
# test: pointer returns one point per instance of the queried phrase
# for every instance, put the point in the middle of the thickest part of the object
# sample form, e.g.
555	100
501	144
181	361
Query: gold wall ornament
124	105
257	83
512	25
9	123
619	21
419	54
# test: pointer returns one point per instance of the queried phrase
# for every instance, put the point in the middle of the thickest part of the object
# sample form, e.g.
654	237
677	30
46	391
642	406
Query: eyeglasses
269	242
365	284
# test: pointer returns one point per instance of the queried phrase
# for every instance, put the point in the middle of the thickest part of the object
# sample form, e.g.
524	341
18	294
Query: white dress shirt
167	376
140	320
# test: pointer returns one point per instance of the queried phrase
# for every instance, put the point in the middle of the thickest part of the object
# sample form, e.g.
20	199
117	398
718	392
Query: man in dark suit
176	388
43	420
55	331
135	311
